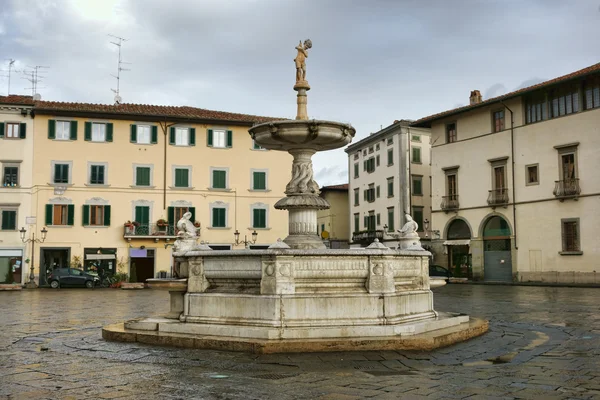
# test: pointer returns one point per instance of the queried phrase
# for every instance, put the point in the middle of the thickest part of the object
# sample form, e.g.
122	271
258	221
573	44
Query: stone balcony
567	188
498	197
449	202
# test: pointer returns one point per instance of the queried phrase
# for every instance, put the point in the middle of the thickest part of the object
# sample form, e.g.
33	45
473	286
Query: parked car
437	270
72	277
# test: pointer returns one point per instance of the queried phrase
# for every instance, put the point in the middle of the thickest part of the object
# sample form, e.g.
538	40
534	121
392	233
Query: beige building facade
333	223
515	192
16	151
111	182
388	177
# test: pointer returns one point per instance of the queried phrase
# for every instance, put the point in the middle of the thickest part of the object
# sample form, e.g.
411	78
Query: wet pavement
544	342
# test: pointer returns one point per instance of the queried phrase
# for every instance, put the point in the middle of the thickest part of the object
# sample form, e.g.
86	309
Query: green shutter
70	214
142	214
64	173
57	173
22	130
94	174
109	132
219	217
88	131
154	138
133	133
229	139
260	218
5	220
51	129
171	216
85	216
209	137
49	209
101	174
142	176
192	211
1	129
259	181
106	215
192	136
139	214
219	179
172	136
181	177
73	132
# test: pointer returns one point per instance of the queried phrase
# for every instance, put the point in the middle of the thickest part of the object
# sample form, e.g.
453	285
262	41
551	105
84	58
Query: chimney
475	97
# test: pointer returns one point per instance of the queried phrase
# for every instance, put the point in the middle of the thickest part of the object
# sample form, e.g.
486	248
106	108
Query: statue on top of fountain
187	230
300	61
409	229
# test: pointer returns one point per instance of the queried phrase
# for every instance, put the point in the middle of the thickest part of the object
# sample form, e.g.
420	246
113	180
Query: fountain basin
302	134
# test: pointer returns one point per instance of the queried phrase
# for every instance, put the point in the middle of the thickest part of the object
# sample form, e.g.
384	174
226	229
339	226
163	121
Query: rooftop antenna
118	98
35	78
11	64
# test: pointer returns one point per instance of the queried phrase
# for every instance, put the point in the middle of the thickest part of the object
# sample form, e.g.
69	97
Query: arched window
459	229
496	227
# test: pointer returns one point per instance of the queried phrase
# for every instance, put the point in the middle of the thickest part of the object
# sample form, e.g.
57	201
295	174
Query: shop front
457	247
52	258
102	261
11	266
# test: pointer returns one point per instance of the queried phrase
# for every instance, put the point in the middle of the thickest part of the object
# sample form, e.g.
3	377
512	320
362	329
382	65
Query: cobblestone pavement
544	342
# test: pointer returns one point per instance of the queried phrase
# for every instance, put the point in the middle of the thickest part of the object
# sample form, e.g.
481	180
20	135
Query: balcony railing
498	197
367	237
449	202
567	188
150	230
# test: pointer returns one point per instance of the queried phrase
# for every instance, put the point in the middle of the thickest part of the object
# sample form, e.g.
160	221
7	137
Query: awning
457	242
100	257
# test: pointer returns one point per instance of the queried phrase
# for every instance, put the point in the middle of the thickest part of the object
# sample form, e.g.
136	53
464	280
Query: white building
516	195
16	153
389	176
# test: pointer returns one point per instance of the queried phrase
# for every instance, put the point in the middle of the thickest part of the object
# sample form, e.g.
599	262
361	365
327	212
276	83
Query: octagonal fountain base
288	300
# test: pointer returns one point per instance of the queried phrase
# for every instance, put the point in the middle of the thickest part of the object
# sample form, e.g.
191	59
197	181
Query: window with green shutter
142	215
259	218
417	216
356	170
390	187
219	179
9	220
390	219
61	173
142	176
390	157
356	223
259	180
182	177
219	217
416	155
417	185
97	174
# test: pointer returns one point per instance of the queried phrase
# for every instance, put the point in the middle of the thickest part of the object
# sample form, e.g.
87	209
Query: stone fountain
297	295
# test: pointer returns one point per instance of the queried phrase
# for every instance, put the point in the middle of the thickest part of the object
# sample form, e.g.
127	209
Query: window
61	173
370	221
390	187
259	218
12	130
143	134
564	104
356	155
142	216
356	170
220	138
377	146
96	215
60	214
98	132
256	146
570	236
536	110
9	220
219	178
370	149
143	176
499	177
259	180
592	97
378	219
63	130
390	141
364	152
390	157
451	188
415	138
390	213
498	121
356	202
182	177
11	176
219	217
369	165
416	155
451	133
417	185
377	191
377	160
97	173
417	215
356	223
182	137
369	194
531	175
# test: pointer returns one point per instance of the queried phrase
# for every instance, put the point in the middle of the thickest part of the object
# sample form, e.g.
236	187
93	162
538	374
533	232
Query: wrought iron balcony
567	188
449	202
367	237
498	197
149	230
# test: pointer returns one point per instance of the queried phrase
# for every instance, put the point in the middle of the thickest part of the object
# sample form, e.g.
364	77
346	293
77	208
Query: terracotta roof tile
16	99
343	186
582	72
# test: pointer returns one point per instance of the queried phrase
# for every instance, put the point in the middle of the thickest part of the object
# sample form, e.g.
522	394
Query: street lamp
426	226
31	284
246	242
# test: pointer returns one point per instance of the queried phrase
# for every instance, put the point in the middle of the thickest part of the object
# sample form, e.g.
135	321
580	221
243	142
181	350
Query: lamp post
426	226
31	284
246	242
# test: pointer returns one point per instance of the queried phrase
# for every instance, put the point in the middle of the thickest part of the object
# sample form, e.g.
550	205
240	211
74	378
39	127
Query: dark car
72	277
437	270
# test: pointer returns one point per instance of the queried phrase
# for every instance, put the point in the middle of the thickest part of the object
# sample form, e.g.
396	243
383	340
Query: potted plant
162	224
197	224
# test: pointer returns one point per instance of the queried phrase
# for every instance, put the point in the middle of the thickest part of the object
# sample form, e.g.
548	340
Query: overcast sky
372	61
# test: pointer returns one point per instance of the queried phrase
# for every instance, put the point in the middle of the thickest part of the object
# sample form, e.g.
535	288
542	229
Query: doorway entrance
497	254
141	264
459	252
52	258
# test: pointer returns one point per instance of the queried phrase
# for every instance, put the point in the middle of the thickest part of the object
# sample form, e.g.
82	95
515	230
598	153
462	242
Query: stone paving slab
543	343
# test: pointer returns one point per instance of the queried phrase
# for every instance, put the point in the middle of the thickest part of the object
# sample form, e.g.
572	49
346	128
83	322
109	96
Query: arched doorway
497	250
458	240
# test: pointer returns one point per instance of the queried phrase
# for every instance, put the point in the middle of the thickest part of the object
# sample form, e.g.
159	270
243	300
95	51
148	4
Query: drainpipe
512	157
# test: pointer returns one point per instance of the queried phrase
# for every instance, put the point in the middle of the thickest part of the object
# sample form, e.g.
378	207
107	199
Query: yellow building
333	223
110	183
